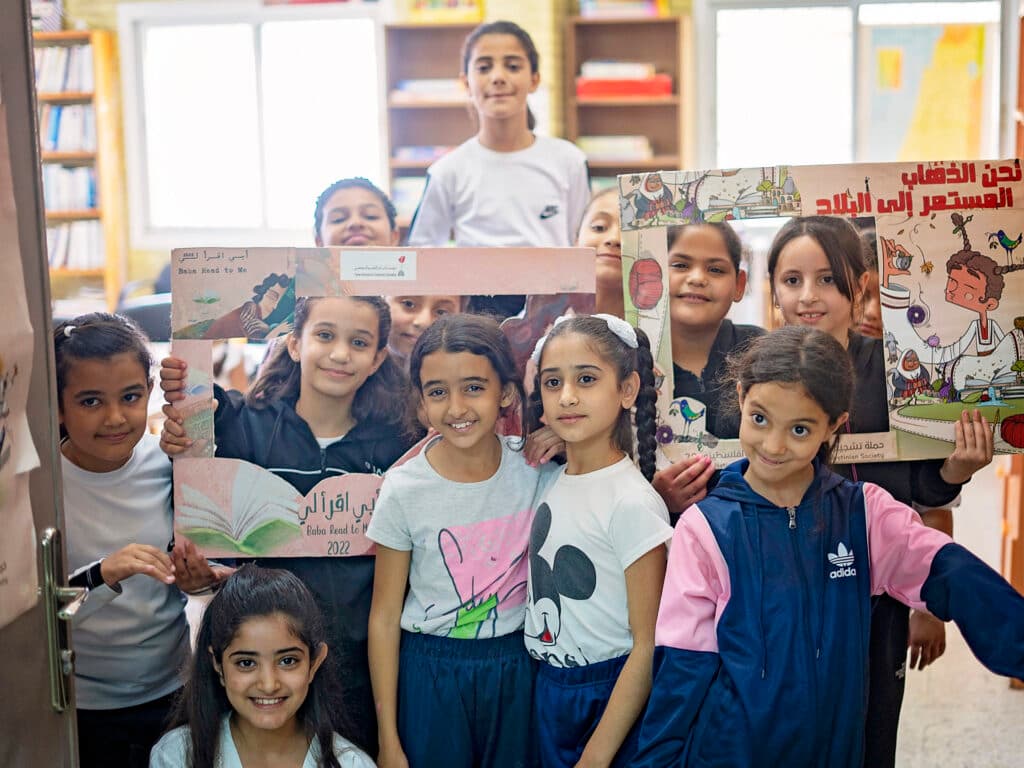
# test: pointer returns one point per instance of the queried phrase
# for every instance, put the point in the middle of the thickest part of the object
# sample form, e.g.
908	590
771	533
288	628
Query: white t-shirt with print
467	576
588	529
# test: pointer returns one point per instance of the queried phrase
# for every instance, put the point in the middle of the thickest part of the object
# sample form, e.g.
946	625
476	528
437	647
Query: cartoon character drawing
487	566
910	377
975	282
250	319
571	575
653	199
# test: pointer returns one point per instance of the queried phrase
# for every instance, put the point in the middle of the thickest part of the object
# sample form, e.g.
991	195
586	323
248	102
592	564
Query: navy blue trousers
465	702
568	704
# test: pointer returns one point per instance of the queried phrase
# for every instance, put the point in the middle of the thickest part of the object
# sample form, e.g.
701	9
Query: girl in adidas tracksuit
762	634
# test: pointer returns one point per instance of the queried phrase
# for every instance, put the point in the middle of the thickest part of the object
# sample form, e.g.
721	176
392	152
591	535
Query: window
838	81
239	115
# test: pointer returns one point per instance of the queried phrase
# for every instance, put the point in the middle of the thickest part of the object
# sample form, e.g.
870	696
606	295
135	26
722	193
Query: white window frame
706	35
134	19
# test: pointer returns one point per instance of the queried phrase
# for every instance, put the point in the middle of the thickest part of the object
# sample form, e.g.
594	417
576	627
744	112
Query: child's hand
193	571
137	558
542	445
173	440
973	448
684	483
173	371
926	640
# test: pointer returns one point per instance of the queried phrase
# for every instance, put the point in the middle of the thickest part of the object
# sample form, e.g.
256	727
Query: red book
589	87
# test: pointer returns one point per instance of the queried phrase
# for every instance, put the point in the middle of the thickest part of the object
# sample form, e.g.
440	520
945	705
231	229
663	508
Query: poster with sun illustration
950	272
230	507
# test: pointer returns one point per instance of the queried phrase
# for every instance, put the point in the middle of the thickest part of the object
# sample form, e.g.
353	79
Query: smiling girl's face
805	289
266	671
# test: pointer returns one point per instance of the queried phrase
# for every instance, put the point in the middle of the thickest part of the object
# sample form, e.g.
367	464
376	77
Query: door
32	732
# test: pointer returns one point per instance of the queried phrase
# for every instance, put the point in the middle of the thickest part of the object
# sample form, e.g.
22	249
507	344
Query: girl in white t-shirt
261	689
452	682
597	547
505	186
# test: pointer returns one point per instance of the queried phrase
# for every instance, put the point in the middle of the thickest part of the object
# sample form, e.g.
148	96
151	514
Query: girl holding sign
322	407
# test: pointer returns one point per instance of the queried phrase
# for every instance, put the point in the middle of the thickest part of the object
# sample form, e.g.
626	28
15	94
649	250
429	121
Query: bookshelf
426	116
665	120
80	142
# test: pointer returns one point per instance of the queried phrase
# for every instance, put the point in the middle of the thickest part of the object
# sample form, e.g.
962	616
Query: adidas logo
842	558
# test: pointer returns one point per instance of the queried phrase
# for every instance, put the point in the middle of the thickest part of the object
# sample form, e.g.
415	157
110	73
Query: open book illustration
263	513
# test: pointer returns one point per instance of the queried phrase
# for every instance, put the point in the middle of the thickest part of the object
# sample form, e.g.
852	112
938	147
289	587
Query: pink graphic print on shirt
486	562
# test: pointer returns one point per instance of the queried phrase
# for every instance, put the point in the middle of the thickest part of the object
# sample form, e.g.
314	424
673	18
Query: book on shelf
616	9
45	15
67	128
75	245
428	89
625	148
69	188
62	68
610	69
650	87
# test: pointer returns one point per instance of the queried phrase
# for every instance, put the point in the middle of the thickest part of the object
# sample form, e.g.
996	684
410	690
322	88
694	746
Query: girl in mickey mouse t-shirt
597	554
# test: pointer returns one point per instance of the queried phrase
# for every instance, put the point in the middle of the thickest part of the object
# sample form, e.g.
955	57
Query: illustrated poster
951	276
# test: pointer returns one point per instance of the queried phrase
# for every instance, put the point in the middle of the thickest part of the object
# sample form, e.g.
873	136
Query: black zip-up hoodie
276	438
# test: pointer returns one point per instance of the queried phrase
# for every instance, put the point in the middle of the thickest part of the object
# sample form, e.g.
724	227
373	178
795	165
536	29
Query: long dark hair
477	335
353	182
840	242
626	361
504	28
96	336
273	279
254	592
281	377
800	355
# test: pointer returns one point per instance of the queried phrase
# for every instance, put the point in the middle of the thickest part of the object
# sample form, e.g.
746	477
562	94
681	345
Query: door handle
55	595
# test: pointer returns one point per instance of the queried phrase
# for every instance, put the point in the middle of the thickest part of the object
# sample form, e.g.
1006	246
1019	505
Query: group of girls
515	614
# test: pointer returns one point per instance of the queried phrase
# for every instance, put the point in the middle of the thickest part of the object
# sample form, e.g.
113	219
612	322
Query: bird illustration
681	407
1004	240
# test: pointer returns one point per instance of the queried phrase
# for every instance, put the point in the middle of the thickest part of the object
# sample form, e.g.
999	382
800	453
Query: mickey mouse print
587	531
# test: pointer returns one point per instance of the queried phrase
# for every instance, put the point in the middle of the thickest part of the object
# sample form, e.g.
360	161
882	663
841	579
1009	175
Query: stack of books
616	148
617	9
428	89
621	79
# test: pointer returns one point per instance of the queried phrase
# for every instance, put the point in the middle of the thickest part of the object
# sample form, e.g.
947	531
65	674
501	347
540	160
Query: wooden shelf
105	99
67	36
626	101
666	121
70	158
656	163
65	97
83	214
98	272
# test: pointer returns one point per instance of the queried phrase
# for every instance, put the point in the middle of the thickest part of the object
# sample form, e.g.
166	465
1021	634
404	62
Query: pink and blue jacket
762	637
